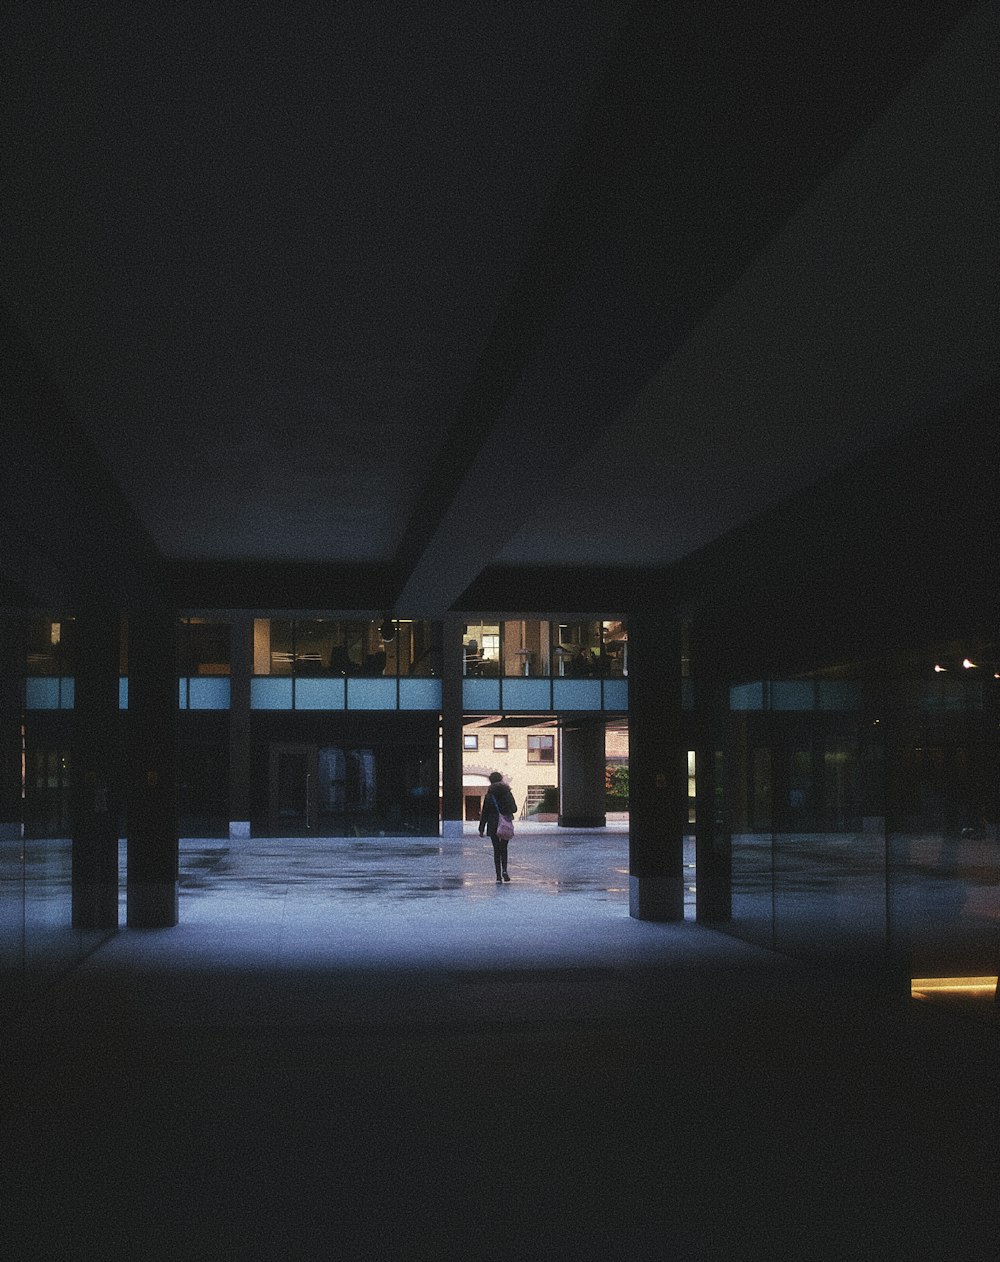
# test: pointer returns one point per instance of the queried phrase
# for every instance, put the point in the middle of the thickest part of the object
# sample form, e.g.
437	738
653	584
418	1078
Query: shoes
498	880
506	877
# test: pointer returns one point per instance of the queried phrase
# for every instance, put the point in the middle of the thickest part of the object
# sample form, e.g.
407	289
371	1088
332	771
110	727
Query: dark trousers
499	853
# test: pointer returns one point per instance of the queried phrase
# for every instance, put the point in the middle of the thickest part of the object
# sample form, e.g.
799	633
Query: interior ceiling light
938	669
967	664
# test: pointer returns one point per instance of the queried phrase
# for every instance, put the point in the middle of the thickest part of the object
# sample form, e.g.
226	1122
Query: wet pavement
365	1048
387	901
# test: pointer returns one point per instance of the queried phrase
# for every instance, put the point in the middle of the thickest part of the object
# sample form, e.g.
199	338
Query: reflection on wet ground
369	1050
591	862
391	902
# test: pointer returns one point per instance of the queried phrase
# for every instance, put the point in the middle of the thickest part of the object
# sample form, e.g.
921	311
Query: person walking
499	801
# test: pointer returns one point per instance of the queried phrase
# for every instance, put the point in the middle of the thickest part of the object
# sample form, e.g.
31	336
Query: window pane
616	694
470	742
319	694
527	694
209	694
270	694
578	649
746	696
313	646
363	651
481	694
420	694
526	647
793	694
371	694
481	649
203	647
541	749
577	694
41	694
614	659
49	646
280	647
419	650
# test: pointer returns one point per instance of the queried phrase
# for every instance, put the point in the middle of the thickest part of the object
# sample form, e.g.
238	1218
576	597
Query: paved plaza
364	1048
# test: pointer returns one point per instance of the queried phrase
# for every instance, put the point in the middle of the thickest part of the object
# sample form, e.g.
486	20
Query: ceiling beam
704	137
68	528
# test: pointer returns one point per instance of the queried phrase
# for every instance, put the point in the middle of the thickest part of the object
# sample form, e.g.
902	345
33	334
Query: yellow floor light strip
939	987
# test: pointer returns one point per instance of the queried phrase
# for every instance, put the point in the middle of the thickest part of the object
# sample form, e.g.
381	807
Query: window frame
538	749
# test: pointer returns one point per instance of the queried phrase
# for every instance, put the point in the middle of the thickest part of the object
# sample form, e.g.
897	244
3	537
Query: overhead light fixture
967	664
938	669
387	631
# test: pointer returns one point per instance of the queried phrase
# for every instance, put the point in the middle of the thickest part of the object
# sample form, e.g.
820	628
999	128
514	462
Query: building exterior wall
527	780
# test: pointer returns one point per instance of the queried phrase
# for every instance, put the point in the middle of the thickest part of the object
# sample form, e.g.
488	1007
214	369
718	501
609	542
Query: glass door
292	785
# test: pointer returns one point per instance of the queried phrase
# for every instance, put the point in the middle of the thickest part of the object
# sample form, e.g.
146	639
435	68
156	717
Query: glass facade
37	939
525	665
333	776
203	647
345	647
590	649
537	648
318	769
338	664
862	807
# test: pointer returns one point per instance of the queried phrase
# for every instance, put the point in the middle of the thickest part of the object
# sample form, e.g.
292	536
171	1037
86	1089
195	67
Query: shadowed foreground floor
368	1050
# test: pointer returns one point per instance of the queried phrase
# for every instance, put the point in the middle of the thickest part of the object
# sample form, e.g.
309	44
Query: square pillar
12	655
152	769
582	793
657	770
96	786
240	674
713	835
452	717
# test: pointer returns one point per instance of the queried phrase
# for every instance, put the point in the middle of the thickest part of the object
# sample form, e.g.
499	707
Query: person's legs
499	860
502	844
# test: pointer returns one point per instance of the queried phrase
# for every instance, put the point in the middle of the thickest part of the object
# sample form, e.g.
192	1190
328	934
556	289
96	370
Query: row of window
537	647
540	748
346	647
200	693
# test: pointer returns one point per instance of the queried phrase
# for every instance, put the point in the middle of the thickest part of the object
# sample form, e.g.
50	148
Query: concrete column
582	796
152	761
657	770
713	837
452	714
11	717
97	774
241	648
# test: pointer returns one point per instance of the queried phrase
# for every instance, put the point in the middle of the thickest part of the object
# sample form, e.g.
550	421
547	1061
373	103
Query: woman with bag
497	819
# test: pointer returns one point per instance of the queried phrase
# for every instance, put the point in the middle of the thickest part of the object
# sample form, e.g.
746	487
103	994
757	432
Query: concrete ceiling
444	286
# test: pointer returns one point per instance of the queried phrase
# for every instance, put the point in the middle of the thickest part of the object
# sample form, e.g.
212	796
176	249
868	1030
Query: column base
11	831
152	906
239	830
656	898
95	907
452	828
583	821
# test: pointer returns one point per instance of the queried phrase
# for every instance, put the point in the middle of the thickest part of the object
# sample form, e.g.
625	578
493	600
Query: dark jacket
499	794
